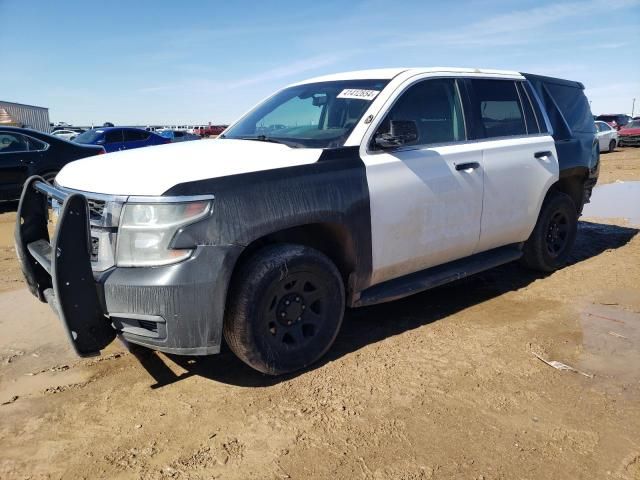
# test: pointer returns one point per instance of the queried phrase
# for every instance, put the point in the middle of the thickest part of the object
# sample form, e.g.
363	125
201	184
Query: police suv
340	191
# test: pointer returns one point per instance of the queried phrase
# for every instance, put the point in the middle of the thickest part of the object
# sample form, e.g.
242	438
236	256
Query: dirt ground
441	385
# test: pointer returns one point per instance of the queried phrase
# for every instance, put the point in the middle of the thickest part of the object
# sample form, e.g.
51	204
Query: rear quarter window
574	106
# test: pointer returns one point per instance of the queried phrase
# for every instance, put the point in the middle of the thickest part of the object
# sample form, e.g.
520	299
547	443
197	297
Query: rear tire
552	239
285	308
612	146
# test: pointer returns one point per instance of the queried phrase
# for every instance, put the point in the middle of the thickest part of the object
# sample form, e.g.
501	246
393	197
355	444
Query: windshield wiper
264	138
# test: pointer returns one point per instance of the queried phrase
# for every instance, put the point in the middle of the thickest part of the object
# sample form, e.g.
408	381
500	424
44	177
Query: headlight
146	230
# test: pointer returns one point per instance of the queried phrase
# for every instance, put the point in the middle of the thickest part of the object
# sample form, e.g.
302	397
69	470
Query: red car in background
629	135
615	120
209	130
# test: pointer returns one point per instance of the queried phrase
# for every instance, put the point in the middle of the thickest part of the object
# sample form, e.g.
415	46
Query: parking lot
441	385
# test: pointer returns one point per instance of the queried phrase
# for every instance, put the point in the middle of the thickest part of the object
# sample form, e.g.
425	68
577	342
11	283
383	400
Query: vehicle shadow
369	325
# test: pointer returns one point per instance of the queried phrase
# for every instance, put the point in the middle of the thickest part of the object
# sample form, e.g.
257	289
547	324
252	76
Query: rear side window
529	117
435	107
113	136
135	135
501	114
35	145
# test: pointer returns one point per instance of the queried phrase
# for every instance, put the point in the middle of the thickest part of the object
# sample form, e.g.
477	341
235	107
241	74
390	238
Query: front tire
285	308
612	146
552	239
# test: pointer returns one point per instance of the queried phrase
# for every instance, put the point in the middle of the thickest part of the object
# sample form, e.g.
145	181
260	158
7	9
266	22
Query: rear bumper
176	308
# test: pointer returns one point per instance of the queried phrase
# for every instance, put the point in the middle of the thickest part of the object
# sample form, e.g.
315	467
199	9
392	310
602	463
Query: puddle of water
615	200
611	345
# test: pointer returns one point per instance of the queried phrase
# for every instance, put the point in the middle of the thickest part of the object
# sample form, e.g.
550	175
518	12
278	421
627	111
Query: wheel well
332	239
574	187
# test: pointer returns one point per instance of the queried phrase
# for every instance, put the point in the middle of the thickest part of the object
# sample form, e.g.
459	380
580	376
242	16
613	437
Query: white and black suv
340	191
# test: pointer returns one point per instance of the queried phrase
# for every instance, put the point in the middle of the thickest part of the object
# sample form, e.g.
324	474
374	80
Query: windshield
633	124
165	133
314	115
90	136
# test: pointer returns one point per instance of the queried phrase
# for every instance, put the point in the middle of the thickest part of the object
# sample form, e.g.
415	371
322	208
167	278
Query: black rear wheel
552	239
285	308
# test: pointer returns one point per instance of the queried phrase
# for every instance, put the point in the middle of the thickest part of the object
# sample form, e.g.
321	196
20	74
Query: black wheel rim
557	234
295	310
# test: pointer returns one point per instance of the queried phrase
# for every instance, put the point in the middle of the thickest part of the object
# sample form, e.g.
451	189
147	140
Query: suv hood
629	131
154	170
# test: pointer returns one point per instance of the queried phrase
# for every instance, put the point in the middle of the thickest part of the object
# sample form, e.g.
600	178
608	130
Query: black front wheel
285	308
612	146
552	239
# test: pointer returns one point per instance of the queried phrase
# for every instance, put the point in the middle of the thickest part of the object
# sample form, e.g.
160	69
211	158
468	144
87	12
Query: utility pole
633	107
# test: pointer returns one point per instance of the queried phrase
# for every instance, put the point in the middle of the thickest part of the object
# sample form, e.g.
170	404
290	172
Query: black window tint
35	144
113	136
179	134
500	111
434	105
13	143
536	107
574	106
135	135
529	117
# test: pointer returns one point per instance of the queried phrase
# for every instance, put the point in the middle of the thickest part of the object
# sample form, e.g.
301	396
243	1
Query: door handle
546	153
467	166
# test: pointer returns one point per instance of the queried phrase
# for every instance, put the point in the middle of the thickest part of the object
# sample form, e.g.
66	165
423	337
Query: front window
315	115
633	124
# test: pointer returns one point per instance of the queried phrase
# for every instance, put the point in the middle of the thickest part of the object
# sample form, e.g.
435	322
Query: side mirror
402	132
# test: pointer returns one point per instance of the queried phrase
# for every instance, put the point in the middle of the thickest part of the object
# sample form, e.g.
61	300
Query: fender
252	205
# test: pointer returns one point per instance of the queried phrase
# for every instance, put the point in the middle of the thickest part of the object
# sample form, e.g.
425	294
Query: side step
436	276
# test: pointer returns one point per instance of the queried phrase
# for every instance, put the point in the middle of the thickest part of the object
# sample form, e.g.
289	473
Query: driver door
426	196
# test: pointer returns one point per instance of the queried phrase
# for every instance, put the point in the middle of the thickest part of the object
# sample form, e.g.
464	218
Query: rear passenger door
425	197
113	140
135	138
518	156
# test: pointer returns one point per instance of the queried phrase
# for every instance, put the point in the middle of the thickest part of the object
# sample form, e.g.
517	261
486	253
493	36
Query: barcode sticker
358	94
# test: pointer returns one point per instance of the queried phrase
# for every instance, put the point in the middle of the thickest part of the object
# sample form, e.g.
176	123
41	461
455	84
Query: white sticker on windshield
358	93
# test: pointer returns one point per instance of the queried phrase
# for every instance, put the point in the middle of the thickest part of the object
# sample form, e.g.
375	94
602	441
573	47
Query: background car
629	135
120	138
616	120
178	135
209	130
25	152
607	136
66	134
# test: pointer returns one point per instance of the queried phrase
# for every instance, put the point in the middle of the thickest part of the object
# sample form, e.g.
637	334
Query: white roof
389	73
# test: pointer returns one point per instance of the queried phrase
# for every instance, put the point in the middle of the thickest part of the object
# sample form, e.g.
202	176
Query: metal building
28	116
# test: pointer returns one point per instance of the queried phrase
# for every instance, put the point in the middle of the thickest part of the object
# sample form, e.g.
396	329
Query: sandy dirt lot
441	385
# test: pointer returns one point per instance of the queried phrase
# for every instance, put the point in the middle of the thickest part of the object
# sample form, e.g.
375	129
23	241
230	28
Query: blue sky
142	62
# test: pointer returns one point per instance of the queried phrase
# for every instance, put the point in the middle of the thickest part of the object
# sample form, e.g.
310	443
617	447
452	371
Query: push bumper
176	309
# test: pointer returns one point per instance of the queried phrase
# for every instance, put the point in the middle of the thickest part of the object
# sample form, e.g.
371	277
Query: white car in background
607	136
66	134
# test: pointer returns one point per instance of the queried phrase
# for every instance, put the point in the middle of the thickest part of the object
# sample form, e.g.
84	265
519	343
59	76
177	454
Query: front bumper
629	140
176	308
